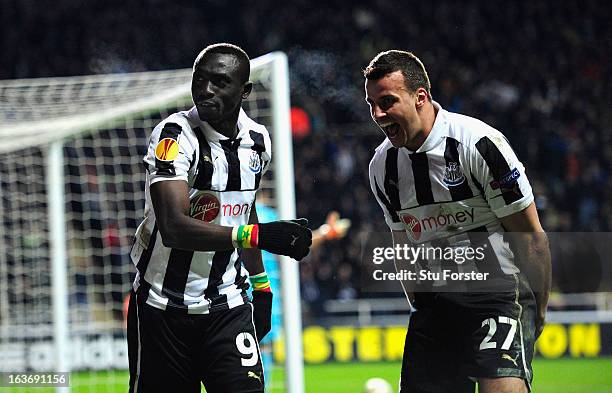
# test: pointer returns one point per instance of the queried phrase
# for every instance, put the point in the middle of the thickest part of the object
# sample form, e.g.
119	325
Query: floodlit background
539	71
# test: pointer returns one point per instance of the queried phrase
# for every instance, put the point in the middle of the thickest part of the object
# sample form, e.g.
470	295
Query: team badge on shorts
167	149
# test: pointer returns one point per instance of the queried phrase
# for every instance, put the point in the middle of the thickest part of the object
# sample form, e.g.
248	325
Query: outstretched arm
334	228
179	230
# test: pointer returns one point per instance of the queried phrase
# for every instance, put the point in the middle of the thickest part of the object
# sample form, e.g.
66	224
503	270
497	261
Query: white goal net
66	291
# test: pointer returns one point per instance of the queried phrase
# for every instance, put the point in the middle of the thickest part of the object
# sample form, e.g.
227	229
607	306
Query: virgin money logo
442	221
413	225
204	207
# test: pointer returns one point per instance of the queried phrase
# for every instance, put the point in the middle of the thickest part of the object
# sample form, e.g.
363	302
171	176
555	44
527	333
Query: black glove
292	238
262	313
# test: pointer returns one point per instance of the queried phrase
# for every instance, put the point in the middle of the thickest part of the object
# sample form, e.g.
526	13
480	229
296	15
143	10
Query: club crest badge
453	176
255	163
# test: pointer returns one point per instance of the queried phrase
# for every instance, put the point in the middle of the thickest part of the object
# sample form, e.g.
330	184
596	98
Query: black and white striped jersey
454	188
223	176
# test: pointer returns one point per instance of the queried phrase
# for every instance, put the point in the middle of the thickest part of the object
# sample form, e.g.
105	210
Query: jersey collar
438	131
210	133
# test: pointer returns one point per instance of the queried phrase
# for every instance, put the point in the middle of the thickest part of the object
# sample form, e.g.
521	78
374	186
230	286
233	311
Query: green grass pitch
551	376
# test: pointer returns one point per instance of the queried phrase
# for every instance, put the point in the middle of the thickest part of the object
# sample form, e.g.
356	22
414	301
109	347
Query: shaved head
244	63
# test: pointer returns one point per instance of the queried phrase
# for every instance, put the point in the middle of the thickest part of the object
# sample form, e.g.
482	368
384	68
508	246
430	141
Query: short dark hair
412	69
230	49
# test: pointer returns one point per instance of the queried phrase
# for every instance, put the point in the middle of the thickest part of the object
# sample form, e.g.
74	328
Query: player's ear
421	97
246	89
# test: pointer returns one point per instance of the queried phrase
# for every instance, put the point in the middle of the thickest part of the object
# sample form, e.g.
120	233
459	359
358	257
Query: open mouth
392	130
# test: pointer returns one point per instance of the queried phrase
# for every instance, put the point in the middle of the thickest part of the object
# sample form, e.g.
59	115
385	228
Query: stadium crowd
538	71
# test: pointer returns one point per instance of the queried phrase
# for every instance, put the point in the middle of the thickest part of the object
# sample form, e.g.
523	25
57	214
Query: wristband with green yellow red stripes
245	236
260	282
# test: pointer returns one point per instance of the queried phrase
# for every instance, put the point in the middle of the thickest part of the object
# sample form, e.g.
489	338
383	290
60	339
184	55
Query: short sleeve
170	154
501	175
391	216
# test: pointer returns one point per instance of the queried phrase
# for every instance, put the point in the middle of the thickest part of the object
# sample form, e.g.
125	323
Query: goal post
71	195
285	195
57	248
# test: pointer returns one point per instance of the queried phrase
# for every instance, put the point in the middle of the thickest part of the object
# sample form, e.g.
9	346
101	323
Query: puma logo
294	239
252	374
508	357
